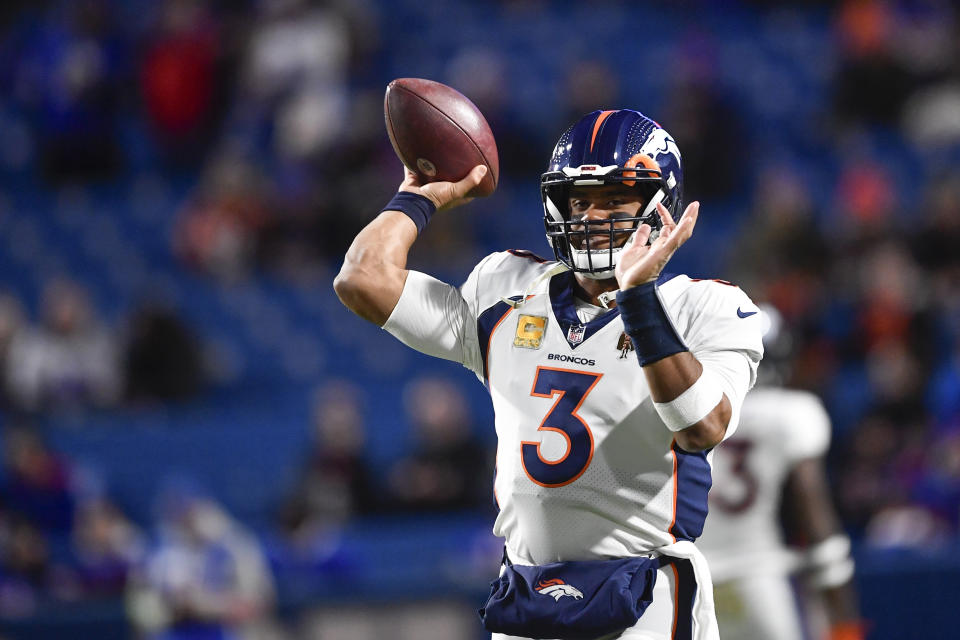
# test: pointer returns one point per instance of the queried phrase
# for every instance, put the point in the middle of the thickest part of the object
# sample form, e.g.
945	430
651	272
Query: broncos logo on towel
557	588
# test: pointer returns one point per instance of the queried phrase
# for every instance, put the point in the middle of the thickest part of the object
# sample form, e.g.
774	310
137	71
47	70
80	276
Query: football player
602	463
774	465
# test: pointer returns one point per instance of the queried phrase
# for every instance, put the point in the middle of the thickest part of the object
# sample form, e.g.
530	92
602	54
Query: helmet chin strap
606	297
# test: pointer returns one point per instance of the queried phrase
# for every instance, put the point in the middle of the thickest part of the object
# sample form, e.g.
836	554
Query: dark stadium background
179	180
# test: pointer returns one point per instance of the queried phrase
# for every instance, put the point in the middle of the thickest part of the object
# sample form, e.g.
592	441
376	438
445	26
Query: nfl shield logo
575	334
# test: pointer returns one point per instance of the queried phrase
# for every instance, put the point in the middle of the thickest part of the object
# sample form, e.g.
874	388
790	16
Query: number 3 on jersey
571	388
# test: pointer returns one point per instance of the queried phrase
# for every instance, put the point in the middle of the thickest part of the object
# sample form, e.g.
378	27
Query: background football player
597	458
774	466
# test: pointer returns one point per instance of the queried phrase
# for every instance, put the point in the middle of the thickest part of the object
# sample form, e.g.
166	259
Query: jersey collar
565	311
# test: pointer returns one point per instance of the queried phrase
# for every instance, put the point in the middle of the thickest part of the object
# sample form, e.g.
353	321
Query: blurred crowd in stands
69	359
271	109
867	276
63	538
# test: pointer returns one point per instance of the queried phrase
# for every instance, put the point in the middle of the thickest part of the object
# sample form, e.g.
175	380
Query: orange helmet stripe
596	126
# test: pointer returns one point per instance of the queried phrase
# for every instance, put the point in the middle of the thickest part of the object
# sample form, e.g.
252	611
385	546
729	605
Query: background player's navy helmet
608	147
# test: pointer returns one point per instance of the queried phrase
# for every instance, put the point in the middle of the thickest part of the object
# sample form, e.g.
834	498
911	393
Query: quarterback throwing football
603	464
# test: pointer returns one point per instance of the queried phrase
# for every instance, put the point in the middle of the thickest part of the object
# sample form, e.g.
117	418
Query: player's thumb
473	178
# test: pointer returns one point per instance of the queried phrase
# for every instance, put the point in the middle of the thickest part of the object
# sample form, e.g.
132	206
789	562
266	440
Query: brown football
438	133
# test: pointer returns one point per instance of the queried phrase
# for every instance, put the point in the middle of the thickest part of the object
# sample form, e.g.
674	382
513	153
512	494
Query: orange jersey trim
676	599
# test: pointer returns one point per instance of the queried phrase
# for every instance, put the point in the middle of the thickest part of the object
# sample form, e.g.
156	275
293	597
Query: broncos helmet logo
658	144
557	588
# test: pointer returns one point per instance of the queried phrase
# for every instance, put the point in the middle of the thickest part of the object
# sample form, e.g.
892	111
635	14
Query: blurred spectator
481	74
872	84
162	360
297	70
865	485
780	255
28	576
932	116
208	578
12	324
216	230
179	79
938	484
897	381
334	484
70	78
867	198
936	240
107	547
927	39
325	142
890	286
704	122
906	526
69	361
324	200
24	566
449	468
588	85
37	483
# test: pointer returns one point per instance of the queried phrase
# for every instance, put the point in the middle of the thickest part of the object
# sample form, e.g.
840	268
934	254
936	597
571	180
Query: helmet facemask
571	237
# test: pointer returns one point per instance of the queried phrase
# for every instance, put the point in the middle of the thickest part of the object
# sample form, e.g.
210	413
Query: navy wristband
415	206
647	324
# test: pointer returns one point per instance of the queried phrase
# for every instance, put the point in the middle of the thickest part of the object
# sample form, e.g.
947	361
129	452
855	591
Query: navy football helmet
608	147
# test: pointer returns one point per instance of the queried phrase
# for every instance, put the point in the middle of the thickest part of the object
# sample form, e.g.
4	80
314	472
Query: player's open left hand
445	195
641	262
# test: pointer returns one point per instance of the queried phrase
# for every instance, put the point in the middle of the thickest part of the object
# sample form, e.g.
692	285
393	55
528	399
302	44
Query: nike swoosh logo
744	314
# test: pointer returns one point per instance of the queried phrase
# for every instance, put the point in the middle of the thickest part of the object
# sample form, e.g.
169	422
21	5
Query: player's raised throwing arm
374	269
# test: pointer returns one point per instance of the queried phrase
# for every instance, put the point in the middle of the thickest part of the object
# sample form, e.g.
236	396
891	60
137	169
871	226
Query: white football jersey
585	466
778	428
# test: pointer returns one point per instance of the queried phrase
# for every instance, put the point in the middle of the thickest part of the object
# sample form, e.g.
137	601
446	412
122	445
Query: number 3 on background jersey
572	388
738	451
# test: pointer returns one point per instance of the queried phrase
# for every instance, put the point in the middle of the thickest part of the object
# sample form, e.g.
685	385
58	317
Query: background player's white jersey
585	466
778	428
